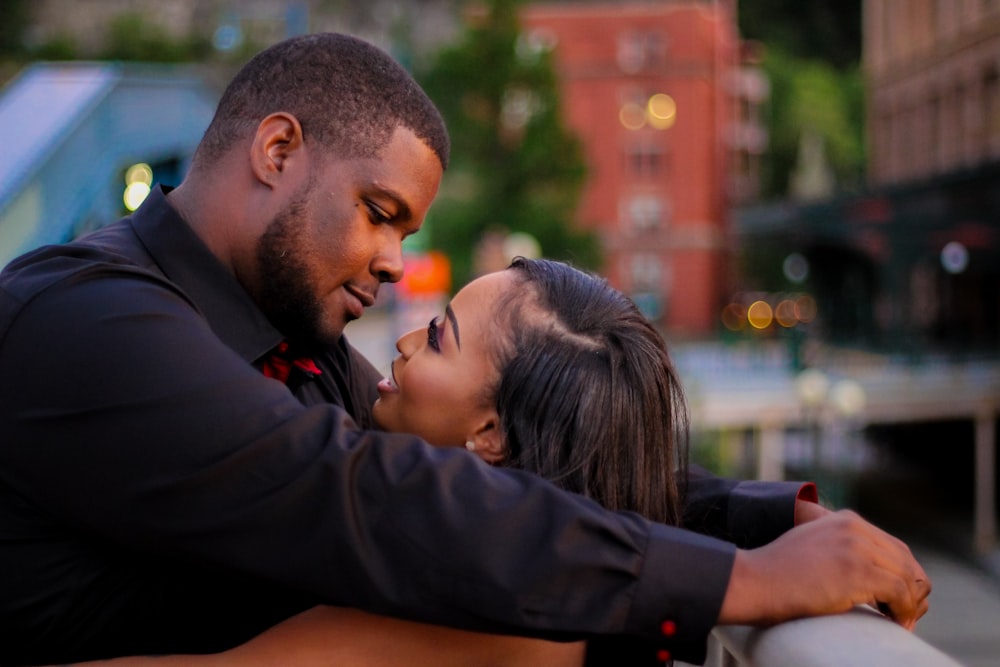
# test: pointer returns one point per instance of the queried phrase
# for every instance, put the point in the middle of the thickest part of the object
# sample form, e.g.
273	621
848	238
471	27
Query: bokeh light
954	257
734	317
139	173
796	268
760	315
785	313
661	111
812	386
848	397
138	181
135	194
805	308
632	116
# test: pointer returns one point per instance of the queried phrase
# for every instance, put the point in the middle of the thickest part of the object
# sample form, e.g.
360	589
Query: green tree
811	95
132	37
826	30
811	56
12	26
515	166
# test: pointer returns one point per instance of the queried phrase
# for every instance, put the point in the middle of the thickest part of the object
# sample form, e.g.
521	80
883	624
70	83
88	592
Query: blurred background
803	196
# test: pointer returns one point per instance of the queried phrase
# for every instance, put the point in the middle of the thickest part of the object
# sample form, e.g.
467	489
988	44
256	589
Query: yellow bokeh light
135	194
632	116
661	111
785	313
760	315
139	173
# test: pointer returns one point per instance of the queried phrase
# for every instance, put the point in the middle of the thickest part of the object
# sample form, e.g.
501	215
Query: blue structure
70	130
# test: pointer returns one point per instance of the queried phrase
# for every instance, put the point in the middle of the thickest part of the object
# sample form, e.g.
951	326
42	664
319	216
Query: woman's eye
432	335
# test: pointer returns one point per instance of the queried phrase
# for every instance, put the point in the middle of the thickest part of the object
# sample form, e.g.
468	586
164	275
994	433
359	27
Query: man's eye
376	213
432	335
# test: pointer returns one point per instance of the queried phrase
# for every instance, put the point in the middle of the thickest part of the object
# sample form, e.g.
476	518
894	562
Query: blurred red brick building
654	90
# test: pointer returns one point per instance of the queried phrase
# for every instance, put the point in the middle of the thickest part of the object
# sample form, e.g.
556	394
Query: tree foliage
813	96
132	37
826	30
515	167
812	59
12	26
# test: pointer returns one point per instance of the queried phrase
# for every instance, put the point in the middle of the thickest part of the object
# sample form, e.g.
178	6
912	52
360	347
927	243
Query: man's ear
278	138
489	440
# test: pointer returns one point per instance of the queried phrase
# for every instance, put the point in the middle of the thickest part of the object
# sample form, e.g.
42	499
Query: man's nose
387	264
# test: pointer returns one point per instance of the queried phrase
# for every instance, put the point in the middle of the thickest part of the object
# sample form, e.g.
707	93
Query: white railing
860	638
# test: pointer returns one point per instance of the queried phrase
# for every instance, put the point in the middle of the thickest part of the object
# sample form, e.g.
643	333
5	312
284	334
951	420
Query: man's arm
129	426
139	431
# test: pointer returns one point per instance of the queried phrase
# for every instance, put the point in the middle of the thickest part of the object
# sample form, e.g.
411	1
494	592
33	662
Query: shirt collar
187	262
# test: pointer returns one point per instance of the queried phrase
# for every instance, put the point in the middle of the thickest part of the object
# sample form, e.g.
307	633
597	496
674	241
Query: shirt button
663	655
668	628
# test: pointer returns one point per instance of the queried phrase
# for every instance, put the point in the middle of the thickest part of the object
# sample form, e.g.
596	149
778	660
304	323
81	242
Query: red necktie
280	362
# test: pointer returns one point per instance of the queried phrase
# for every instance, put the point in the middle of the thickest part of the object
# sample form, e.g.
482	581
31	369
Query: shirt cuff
808	493
680	590
760	512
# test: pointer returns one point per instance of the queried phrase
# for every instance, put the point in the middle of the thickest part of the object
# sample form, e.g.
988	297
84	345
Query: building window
645	160
642	213
641	50
645	271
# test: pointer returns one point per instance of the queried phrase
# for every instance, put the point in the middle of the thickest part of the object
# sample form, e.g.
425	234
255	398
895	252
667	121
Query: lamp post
827	404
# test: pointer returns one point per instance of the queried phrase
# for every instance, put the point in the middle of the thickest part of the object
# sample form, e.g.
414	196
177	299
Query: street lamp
825	404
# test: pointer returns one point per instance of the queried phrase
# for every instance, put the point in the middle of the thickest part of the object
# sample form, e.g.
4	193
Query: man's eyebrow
450	314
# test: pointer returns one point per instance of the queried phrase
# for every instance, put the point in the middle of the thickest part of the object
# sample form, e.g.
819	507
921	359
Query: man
161	492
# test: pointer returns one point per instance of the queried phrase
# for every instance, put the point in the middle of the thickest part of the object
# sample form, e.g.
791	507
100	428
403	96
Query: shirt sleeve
747	513
133	424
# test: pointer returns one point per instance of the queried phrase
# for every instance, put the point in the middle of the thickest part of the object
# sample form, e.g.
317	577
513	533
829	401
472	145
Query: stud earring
471	446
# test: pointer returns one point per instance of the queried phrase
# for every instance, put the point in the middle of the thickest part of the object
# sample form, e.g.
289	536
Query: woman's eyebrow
450	314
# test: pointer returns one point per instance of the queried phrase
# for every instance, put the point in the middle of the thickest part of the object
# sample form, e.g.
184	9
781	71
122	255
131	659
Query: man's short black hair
348	95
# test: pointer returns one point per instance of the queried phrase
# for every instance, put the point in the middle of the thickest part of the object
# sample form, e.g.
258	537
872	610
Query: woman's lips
387	385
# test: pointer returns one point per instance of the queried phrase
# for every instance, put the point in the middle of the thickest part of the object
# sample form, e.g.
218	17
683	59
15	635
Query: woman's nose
409	342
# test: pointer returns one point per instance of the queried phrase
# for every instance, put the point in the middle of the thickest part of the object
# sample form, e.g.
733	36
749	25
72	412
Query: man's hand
826	566
806	511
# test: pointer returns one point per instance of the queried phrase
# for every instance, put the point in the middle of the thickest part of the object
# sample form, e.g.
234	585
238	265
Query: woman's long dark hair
588	397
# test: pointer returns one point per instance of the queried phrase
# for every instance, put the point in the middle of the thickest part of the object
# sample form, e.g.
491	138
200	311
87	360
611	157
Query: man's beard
286	295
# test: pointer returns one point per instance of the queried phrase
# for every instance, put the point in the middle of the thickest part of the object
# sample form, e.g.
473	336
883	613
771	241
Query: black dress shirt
158	494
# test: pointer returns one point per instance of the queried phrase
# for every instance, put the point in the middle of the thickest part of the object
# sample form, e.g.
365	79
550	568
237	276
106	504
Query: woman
546	368
541	367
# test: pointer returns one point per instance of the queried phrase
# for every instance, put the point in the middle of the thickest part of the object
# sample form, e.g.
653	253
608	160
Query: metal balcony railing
860	638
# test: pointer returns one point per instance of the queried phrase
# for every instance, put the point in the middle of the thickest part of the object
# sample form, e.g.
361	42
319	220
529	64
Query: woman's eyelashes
432	335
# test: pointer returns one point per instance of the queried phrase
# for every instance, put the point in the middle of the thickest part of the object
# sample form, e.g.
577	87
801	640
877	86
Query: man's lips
367	299
362	300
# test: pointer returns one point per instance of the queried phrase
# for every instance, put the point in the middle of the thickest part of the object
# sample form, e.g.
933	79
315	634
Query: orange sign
425	274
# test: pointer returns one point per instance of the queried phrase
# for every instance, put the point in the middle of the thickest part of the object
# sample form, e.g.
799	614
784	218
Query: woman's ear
488	439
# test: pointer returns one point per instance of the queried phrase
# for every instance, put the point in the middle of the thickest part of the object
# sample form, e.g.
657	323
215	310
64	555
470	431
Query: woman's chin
378	415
